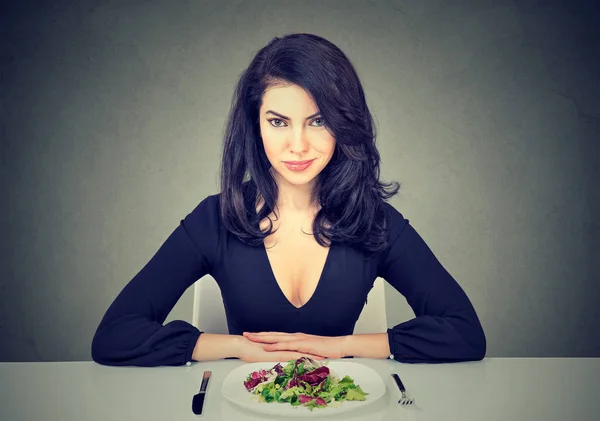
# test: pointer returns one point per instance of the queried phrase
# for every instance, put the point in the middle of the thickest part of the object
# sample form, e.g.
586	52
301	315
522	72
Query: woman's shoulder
207	205
208	213
205	216
393	216
395	221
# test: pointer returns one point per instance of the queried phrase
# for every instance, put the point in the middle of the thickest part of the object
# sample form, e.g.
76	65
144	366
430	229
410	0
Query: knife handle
205	379
398	382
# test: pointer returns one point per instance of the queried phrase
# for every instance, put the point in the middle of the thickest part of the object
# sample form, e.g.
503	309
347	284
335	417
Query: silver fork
405	400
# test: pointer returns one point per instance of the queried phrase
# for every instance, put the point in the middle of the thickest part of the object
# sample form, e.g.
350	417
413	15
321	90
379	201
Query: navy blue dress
446	327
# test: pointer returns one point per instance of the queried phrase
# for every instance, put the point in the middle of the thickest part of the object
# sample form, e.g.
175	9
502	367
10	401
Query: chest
297	262
259	296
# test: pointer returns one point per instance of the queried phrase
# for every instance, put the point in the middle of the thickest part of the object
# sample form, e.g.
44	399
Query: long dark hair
349	192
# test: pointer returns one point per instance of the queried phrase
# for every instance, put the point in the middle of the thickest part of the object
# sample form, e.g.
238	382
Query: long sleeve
446	327
132	332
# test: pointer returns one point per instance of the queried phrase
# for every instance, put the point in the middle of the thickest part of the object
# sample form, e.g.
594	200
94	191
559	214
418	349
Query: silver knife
198	401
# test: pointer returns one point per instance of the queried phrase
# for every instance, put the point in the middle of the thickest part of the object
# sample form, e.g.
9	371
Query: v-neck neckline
278	287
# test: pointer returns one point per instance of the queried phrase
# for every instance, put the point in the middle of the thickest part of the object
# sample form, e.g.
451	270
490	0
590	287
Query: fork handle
398	382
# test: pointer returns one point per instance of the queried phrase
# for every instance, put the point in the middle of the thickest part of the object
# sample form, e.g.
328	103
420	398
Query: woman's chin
297	179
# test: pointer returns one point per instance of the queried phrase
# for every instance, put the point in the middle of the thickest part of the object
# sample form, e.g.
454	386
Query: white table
493	389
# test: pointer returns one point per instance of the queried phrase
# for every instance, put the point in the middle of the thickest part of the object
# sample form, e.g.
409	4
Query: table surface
492	389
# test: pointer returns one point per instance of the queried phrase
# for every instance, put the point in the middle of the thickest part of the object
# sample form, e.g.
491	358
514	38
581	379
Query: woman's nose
298	142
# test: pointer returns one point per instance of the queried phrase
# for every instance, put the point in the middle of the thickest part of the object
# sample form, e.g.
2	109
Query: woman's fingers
262	339
283	346
325	347
281	357
291	346
271	338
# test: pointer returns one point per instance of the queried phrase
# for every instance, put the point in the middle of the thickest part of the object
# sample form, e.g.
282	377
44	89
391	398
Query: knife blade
198	401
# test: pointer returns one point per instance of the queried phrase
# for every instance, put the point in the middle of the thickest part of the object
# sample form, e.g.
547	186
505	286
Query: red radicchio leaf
320	401
279	369
305	360
305	398
299	360
251	384
316	376
291	383
255	378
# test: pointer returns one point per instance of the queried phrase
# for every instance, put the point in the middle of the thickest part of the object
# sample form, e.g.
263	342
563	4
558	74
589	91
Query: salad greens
303	382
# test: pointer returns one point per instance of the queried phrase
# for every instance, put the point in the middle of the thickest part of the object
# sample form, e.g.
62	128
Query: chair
373	317
209	312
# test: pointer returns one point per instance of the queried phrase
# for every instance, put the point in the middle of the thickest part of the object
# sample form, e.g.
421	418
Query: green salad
303	382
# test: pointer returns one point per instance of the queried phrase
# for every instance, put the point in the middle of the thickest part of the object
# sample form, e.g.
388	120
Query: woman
296	238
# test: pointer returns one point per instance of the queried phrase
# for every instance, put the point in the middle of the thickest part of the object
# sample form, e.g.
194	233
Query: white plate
369	381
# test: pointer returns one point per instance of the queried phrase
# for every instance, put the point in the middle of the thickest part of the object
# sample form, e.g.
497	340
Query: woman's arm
369	345
373	345
132	332
212	346
446	327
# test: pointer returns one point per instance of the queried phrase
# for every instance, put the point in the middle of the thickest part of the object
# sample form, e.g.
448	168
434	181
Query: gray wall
487	112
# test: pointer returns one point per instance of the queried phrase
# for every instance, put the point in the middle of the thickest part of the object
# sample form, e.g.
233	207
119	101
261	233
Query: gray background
487	111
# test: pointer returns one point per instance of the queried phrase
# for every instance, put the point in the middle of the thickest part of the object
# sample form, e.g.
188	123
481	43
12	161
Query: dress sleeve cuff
191	345
391	344
397	350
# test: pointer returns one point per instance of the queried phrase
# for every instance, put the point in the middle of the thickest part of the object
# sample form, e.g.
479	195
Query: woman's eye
275	122
320	121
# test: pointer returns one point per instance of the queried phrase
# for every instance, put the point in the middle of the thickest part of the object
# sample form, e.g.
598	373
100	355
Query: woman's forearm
370	345
210	346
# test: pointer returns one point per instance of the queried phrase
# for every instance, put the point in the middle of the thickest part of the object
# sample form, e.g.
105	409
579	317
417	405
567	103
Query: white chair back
373	318
209	313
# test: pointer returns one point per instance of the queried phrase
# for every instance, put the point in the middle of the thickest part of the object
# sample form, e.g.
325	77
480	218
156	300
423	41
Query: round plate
369	381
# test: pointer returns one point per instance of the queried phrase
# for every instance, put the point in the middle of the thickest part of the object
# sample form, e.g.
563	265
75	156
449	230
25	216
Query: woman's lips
298	165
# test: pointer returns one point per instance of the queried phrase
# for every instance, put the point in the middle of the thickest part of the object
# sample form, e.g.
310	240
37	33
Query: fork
405	400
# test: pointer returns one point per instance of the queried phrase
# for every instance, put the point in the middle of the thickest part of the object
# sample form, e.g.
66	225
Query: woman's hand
250	351
325	346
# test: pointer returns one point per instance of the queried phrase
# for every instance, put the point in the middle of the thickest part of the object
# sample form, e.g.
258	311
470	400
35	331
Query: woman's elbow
472	345
478	346
473	337
98	351
102	350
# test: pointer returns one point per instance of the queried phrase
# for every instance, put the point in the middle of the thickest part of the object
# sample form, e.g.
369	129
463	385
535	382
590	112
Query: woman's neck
296	198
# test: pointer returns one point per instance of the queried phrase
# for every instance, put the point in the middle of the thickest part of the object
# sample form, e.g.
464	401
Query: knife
198	401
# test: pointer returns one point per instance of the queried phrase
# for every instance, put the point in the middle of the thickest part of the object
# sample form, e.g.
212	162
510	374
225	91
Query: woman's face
296	141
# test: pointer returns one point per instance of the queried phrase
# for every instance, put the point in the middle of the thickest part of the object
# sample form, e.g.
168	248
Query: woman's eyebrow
287	118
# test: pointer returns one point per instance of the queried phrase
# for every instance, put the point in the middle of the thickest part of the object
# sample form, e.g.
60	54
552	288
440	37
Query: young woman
296	237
